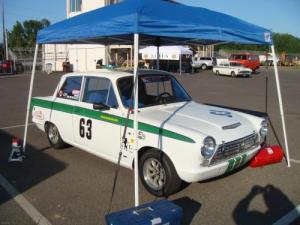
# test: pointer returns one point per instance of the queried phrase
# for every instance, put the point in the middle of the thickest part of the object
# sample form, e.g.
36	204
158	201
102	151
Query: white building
83	57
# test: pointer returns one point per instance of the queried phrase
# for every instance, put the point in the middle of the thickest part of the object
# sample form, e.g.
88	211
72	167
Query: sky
280	16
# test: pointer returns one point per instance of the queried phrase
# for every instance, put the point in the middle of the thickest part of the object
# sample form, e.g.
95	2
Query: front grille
230	149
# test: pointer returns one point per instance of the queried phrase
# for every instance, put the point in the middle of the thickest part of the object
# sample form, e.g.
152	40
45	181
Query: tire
54	137
233	74
203	66
155	161
217	73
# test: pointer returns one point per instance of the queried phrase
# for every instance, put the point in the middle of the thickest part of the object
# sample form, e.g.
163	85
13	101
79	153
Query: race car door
96	119
63	106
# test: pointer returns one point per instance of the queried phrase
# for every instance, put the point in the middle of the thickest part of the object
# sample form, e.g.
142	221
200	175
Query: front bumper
206	172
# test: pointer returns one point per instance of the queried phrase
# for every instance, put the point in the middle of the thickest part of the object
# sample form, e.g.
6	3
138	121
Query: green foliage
283	43
286	43
23	35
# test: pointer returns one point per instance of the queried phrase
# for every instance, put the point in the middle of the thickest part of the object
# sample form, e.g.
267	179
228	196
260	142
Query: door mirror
100	106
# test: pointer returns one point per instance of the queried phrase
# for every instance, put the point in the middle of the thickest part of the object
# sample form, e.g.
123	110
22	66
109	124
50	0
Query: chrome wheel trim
53	134
154	174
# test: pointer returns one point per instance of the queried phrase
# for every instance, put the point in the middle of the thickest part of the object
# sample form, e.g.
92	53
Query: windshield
154	90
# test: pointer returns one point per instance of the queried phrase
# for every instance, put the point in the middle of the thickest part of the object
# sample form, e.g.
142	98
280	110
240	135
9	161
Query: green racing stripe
107	118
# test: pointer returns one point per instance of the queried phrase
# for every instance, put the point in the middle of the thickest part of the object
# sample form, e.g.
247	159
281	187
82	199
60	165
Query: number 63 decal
85	128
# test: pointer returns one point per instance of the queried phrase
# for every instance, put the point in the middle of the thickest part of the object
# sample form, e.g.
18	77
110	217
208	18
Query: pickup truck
203	62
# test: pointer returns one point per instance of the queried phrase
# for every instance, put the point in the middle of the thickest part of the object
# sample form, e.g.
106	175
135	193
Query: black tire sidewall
173	182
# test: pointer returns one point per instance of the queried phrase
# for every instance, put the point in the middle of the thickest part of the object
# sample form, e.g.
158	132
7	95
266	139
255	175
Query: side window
71	88
99	90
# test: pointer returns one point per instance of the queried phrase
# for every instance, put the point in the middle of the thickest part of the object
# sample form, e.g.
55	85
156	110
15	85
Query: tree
283	43
23	35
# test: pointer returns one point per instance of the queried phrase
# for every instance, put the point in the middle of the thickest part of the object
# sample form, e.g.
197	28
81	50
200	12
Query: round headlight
263	129
208	147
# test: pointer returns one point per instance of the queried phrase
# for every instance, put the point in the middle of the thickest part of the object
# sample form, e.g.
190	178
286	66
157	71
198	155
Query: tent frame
237	31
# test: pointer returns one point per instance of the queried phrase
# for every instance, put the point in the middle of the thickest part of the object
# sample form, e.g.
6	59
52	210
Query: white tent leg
180	63
29	96
135	123
157	58
281	107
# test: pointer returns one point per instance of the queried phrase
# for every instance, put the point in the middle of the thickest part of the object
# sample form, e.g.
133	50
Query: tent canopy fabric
158	22
180	50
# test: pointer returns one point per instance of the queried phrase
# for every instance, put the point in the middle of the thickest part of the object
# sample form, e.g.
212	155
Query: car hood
197	120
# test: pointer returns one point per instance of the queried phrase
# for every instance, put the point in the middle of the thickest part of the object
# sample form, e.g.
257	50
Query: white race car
179	139
233	69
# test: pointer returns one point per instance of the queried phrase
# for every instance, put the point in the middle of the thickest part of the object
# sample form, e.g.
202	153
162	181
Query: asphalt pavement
70	186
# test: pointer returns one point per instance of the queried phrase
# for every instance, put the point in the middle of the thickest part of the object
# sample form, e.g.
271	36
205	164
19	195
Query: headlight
208	147
263	129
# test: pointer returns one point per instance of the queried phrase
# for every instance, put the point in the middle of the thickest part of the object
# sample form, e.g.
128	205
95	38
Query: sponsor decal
76	92
267	37
109	118
39	115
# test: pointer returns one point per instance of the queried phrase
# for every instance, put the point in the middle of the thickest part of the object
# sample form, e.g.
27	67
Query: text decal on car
220	113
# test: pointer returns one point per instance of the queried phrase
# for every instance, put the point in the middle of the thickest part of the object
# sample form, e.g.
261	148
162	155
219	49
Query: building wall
81	57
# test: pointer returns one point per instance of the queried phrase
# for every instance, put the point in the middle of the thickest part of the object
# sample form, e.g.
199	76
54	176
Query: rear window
71	88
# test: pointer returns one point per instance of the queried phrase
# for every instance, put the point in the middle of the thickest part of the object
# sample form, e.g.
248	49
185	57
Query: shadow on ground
190	209
37	167
277	203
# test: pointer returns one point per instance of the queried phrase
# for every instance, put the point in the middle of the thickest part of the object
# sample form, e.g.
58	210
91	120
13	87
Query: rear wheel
54	137
217	73
233	74
158	174
204	67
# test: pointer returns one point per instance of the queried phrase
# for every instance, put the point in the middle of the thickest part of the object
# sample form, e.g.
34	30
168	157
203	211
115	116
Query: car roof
115	74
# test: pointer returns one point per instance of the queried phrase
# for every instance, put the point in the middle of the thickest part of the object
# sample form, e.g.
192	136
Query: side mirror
100	106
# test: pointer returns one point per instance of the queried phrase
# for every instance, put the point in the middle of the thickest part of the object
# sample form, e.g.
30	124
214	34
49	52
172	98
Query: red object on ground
266	156
15	141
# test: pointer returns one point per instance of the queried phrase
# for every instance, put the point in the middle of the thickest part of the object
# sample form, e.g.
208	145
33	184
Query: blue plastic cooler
154	213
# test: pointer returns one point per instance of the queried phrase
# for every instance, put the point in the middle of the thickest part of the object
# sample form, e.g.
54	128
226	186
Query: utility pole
4	32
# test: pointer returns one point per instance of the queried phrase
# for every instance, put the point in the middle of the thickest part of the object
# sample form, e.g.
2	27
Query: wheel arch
144	149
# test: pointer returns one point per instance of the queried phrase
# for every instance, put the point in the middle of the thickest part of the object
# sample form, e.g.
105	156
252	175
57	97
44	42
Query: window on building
111	2
75	5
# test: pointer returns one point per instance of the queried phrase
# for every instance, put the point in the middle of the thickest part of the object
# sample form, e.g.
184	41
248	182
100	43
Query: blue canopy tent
153	22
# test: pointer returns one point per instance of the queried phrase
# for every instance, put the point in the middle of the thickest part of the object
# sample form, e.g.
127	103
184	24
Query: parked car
268	59
232	69
247	59
11	67
6	66
179	139
203	62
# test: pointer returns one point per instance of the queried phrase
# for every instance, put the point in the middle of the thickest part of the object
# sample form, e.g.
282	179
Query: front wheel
204	67
158	174
54	137
217	73
233	74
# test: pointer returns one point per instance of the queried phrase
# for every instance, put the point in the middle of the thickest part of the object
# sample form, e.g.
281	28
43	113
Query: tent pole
29	96
281	107
157	57
135	124
180	61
